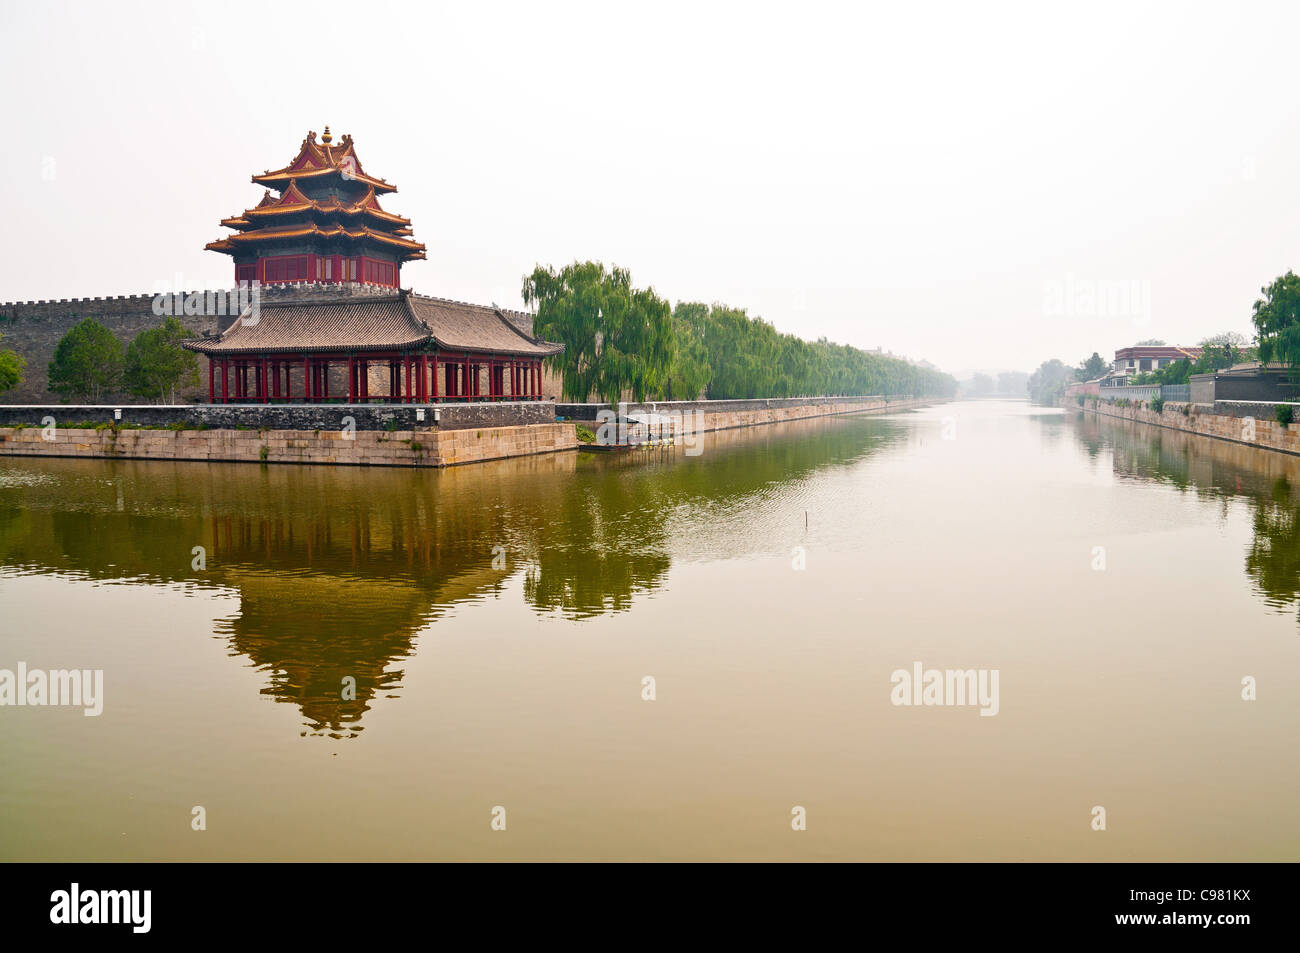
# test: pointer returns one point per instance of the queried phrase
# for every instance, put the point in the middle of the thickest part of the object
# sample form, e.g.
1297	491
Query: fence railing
1134	392
1178	393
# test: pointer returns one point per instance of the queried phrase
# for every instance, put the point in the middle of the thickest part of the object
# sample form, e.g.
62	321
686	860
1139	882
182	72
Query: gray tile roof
328	321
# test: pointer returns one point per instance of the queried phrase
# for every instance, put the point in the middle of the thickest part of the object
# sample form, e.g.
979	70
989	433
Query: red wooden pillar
225	381
537	371
352	380
306	380
325	379
406	359
433	375
212	382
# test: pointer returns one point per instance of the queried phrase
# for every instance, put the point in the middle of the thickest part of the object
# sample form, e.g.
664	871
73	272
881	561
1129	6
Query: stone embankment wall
1240	421
725	414
377	435
399	448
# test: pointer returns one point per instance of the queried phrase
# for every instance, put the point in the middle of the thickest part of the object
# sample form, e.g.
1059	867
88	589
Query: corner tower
325	223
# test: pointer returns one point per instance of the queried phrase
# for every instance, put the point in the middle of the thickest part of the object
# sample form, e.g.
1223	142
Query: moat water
358	664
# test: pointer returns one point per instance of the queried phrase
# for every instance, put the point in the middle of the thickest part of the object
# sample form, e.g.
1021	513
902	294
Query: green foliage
1079	398
1285	414
11	368
1092	368
688	375
156	364
616	338
748	358
1158	404
87	363
1277	321
1047	384
584	434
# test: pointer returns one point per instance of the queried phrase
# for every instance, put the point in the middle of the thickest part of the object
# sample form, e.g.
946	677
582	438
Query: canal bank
708	415
1249	422
439	435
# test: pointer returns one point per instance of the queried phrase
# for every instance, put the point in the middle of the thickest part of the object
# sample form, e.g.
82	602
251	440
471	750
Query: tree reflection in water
1218	471
338	569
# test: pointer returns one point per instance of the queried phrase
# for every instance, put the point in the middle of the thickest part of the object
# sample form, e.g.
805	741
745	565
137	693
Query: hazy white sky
942	180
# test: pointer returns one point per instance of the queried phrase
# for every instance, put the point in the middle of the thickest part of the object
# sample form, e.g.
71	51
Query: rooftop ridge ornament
320	220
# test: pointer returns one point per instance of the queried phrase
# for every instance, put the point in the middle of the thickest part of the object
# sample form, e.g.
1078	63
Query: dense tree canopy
1092	368
11	368
156	364
1277	321
740	357
621	340
1047	384
616	338
87	362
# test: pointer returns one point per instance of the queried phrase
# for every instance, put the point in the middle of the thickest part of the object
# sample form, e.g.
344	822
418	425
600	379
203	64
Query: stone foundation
725	414
399	448
1244	422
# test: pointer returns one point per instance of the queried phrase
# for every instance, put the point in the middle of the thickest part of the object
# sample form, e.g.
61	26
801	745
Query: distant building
1144	358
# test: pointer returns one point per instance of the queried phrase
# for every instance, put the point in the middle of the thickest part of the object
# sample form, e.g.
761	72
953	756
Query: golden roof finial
327	138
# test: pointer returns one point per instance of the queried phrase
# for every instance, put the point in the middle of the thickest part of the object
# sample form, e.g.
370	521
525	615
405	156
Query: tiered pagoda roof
326	201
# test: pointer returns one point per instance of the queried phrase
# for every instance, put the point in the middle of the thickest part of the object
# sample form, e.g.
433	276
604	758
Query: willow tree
616	338
1277	322
688	374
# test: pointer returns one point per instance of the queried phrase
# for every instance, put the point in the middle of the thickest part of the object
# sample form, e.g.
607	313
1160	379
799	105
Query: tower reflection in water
338	570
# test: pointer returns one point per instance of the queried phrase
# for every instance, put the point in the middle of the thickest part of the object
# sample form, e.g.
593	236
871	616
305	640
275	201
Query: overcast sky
947	182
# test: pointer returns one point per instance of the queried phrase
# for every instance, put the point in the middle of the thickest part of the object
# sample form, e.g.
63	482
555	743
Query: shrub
1158	404
584	434
1284	413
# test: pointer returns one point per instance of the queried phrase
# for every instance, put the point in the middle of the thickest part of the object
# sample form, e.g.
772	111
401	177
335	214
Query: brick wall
33	328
